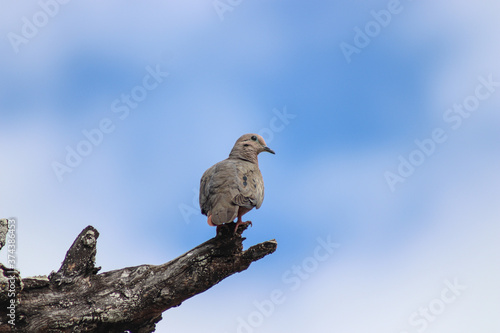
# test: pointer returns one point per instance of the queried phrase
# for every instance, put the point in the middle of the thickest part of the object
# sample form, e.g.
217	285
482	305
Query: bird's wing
205	191
250	185
228	185
217	189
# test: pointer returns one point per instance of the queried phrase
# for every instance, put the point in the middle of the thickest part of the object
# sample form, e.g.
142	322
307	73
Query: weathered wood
77	299
11	284
80	258
4	228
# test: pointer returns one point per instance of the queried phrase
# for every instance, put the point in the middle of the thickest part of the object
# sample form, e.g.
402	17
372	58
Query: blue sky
338	124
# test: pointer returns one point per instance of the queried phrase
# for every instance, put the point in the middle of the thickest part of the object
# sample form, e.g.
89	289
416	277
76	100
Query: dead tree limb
77	299
4	228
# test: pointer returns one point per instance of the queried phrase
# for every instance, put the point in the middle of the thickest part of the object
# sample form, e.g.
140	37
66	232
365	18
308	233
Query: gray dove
234	186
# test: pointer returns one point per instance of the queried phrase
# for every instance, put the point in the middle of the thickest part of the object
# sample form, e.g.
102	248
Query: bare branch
76	299
80	258
4	228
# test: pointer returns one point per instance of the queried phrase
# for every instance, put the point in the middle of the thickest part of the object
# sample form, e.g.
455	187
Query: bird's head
248	146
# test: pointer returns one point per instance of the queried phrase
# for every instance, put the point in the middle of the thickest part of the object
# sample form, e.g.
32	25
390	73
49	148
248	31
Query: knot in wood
89	239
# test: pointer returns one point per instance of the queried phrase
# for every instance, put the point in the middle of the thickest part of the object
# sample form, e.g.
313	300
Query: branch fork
78	299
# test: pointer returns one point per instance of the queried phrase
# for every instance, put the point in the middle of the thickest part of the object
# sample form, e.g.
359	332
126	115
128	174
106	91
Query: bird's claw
241	223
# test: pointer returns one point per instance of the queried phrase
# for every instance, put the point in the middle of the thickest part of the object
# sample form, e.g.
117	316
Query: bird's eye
246	145
254	138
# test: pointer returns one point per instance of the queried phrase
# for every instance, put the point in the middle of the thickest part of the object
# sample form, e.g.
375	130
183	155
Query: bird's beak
269	150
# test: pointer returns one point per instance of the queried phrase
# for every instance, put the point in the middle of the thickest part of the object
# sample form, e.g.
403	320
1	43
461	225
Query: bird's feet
241	223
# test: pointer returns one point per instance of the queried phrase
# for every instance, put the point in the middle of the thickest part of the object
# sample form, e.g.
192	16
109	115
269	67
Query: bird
233	187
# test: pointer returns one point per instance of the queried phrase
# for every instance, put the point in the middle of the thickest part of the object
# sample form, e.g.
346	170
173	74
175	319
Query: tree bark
132	299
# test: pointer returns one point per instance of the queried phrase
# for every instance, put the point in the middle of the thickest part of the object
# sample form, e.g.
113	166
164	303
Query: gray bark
3	231
77	299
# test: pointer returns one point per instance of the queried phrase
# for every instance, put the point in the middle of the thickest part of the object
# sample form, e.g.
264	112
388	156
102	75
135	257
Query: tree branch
80	258
4	229
77	299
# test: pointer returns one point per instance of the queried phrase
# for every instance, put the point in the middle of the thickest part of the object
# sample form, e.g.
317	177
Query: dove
234	186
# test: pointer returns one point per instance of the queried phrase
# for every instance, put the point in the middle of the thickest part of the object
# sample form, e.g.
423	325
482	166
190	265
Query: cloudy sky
383	195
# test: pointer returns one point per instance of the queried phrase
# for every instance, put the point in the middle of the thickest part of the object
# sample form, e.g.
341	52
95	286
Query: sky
384	115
